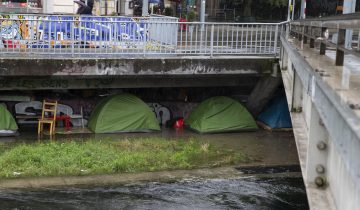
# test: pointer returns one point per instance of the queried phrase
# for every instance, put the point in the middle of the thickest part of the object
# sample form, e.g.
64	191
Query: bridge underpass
325	127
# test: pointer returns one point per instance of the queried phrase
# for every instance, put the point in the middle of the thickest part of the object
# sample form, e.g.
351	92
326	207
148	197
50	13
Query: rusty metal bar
340	55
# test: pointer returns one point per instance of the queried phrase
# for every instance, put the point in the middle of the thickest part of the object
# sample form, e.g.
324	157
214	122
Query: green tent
220	114
7	122
122	113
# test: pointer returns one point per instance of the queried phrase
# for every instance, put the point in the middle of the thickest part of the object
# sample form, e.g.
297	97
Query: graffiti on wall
44	84
162	113
72	31
34	109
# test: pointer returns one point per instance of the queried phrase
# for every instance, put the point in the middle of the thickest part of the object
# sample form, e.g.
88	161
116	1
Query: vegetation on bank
108	156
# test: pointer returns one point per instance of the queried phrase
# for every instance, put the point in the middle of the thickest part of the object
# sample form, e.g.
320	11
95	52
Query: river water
237	193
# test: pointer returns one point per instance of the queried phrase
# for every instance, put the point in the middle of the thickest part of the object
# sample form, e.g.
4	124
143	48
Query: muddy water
238	193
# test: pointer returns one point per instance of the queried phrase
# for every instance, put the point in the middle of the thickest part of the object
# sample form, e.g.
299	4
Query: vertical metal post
202	14
289	11
293	9
303	9
72	36
212	41
305	38
276	39
323	42
358	44
340	43
301	32
145	8
312	40
145	39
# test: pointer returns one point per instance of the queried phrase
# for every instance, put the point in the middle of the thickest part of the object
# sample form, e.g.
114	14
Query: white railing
103	37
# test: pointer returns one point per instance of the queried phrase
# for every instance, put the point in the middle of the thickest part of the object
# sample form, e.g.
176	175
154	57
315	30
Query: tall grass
108	157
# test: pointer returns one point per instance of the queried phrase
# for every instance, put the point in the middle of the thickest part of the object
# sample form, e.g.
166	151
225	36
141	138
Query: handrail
337	32
79	36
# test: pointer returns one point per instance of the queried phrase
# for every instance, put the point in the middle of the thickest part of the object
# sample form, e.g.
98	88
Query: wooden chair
48	116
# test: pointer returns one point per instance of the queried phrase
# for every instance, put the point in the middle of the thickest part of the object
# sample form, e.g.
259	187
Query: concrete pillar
284	60
349	7
145	8
297	96
262	94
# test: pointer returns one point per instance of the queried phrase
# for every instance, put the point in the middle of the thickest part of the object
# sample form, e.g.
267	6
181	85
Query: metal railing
103	37
341	33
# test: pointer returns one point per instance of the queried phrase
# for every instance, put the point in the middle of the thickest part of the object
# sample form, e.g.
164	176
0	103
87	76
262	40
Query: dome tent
122	113
220	114
8	124
276	115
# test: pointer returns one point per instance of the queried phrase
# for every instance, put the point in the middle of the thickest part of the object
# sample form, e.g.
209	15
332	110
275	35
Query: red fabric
10	44
182	26
66	120
179	123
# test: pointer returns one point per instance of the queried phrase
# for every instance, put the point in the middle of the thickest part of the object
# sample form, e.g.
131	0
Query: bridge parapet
50	36
341	33
322	93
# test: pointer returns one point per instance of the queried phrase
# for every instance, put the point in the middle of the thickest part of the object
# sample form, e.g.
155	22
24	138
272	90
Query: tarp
122	113
220	114
7	122
276	114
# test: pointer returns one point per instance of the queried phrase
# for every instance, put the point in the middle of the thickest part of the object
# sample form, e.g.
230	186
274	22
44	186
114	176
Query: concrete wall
132	67
60	6
167	103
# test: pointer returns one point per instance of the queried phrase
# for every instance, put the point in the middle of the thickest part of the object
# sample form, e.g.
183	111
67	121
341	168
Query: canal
257	188
238	193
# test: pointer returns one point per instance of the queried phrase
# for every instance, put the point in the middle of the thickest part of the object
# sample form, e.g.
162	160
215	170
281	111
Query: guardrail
341	33
103	37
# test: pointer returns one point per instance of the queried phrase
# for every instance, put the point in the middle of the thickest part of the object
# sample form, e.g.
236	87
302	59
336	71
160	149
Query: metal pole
289	11
293	9
349	7
303	9
145	8
202	14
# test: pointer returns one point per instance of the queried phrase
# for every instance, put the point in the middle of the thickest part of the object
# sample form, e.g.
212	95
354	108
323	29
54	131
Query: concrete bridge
318	72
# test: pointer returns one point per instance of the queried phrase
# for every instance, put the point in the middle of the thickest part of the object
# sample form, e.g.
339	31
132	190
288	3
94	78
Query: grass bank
108	157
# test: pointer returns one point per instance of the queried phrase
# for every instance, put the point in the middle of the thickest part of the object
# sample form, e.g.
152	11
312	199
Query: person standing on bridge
85	7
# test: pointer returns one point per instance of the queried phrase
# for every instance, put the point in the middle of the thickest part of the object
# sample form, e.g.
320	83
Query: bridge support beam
317	150
297	96
262	93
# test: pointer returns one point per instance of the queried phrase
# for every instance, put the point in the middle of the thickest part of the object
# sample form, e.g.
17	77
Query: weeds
106	157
